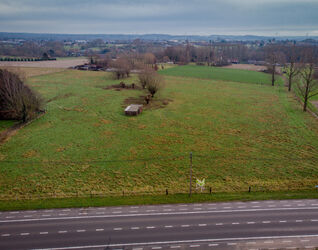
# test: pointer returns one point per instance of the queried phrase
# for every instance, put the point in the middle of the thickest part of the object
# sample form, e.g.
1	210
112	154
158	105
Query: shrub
151	80
17	101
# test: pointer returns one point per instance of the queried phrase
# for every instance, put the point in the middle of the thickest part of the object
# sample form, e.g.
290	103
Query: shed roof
133	107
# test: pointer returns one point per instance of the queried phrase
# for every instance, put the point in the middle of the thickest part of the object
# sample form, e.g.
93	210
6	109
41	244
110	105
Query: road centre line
160	213
184	241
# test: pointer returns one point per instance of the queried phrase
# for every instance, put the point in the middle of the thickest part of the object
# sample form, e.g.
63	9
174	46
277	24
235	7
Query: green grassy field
241	134
216	73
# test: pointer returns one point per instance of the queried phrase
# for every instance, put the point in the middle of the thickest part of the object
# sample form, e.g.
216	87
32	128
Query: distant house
133	109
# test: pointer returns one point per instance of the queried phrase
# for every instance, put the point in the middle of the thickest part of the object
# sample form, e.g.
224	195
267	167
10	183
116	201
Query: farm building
133	109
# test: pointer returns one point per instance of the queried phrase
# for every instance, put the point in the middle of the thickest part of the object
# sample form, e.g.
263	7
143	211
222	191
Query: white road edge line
180	242
157	214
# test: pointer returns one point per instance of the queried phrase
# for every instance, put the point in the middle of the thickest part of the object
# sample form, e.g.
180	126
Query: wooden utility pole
190	191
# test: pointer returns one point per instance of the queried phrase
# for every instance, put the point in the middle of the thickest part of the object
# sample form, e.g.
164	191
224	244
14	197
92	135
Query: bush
151	80
17	101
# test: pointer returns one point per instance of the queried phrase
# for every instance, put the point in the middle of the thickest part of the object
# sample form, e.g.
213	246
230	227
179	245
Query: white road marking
254	202
151	227
242	207
81	230
101	208
134	207
314	204
183	209
5	235
282	221
272	206
266	222
9	217
46	215
117	212
304	240
151	210
44	232
235	223
231	244
168	226
175	246
99	229
301	205
66	210
185	205
185	225
156	247
299	220
183	242
168	210
157	214
268	242
227	207
15	212
251	243
100	212
139	248
309	247
251	222
118	228
219	224
197	204
24	234
202	225
62	232
213	245
134	228
313	220
27	216
194	245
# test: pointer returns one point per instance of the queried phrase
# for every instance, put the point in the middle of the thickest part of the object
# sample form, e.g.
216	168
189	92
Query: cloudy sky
183	17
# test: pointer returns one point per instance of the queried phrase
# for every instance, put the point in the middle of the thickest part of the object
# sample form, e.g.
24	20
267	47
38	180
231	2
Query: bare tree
274	57
291	68
308	83
155	83
17	101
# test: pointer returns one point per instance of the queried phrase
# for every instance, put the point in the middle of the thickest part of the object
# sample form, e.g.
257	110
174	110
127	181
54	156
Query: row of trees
299	64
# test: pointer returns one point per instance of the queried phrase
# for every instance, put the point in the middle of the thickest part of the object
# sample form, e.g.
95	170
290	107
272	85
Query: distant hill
148	37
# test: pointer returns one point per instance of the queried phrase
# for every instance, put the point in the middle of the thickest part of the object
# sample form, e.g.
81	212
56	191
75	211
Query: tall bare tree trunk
289	82
273	75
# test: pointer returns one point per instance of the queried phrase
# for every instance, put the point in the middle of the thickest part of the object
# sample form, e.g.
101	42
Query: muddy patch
123	86
153	104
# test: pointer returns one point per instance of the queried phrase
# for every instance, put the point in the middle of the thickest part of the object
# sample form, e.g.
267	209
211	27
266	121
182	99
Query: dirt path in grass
6	134
9	132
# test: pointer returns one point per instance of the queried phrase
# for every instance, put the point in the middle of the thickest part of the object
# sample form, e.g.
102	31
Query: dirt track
46	64
246	66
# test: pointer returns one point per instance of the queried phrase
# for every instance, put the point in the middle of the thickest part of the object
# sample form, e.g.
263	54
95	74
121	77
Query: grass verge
153	199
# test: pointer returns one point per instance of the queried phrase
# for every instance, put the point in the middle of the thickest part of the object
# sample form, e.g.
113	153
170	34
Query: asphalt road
233	225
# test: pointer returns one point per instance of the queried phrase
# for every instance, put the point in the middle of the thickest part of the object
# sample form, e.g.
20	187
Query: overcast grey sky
183	17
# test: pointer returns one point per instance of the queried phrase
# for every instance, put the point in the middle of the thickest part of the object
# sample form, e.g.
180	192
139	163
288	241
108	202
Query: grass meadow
242	133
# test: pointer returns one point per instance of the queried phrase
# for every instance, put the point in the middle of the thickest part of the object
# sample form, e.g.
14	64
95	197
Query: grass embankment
241	135
153	199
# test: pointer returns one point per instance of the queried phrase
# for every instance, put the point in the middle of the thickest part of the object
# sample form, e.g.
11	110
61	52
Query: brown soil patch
153	104
125	86
47	64
246	67
60	97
